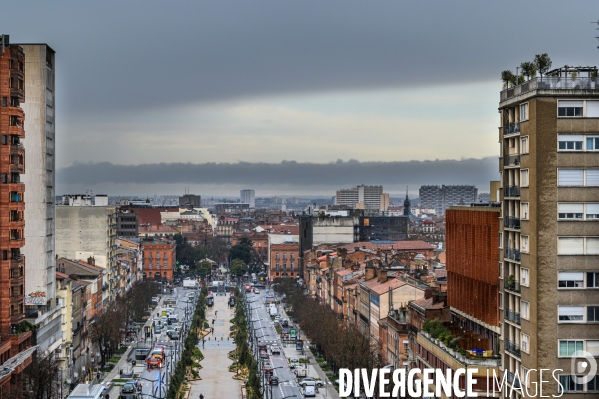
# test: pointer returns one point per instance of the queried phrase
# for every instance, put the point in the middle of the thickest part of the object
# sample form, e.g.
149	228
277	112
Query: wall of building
472	262
39	176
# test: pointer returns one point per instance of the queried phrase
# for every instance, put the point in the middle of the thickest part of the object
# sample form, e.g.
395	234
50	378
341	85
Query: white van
309	389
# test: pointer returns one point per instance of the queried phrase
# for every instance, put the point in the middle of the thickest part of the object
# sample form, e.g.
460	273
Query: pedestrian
201	396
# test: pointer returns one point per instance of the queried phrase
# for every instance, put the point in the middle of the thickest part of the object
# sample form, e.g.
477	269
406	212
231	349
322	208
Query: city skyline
235	93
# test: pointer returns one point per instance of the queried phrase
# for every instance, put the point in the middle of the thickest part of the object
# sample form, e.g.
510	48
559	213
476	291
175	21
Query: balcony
512	128
511	222
513	286
511	191
17	149
512	348
443	352
512	253
551	83
512	316
512	160
511	378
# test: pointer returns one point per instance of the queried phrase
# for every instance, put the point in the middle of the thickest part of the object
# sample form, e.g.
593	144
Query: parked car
309	381
264	355
256	291
275	350
285	323
174	336
277	319
273	381
293	362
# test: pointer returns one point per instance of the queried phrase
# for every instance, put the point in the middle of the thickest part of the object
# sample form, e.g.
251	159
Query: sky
287	97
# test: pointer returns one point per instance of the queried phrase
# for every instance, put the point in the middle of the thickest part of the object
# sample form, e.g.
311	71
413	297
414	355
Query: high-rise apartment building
248	197
40	175
14	337
440	198
190	201
363	197
549	238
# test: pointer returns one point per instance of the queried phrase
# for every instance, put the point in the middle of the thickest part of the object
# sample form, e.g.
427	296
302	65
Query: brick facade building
284	260
158	259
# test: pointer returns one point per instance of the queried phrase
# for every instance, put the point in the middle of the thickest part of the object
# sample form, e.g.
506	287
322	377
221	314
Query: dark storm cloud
124	56
465	171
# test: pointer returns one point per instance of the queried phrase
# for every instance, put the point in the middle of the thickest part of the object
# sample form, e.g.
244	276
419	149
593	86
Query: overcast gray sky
250	84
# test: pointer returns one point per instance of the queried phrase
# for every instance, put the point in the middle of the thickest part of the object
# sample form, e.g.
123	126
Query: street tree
238	268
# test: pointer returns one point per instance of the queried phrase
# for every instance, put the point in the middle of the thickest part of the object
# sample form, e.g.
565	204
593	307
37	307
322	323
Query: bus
269	299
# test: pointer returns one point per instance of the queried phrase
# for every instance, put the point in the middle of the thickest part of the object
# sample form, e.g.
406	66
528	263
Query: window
524	178
524	210
524	112
592	246
592	314
165	263
592	211
570	279
525	343
593	385
593	280
524	277
524	242
570	211
500	240
570	142
570	177
570	246
592	144
592	109
525	310
591	177
569	385
569	108
571	313
500	270
5	101
567	348
524	145
592	347
500	300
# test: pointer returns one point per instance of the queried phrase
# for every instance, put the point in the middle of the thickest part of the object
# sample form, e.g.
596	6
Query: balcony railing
512	316
513	254
512	191
511	222
512	348
512	160
513	286
552	83
512	380
512	128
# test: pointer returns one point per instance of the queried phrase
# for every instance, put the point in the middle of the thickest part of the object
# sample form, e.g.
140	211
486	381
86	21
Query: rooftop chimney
370	273
91	260
382	276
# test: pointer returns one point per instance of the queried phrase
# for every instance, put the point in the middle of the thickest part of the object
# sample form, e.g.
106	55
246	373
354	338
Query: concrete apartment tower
248	197
549	235
40	175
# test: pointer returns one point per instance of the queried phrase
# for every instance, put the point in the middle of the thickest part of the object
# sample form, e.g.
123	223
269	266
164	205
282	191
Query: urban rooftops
576	80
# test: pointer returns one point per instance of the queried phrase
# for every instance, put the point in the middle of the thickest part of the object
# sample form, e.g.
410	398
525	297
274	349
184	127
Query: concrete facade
542	278
89	231
40	175
248	197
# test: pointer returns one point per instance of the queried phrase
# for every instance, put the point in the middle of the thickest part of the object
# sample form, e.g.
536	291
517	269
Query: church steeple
406	204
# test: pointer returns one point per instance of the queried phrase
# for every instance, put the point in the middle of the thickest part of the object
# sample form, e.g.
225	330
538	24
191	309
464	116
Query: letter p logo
583	367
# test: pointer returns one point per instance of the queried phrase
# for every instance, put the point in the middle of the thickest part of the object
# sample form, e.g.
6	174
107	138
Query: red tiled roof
61	275
427	303
417	245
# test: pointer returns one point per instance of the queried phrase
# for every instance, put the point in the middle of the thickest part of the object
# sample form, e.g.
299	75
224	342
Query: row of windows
157	264
577	142
578	245
569	210
150	255
578	280
578	314
578	108
569	177
291	256
568	347
570	384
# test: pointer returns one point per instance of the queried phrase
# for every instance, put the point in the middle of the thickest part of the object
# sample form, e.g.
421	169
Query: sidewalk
217	381
314	369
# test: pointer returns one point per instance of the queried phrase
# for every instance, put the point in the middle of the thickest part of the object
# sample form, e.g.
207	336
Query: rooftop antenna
597	23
